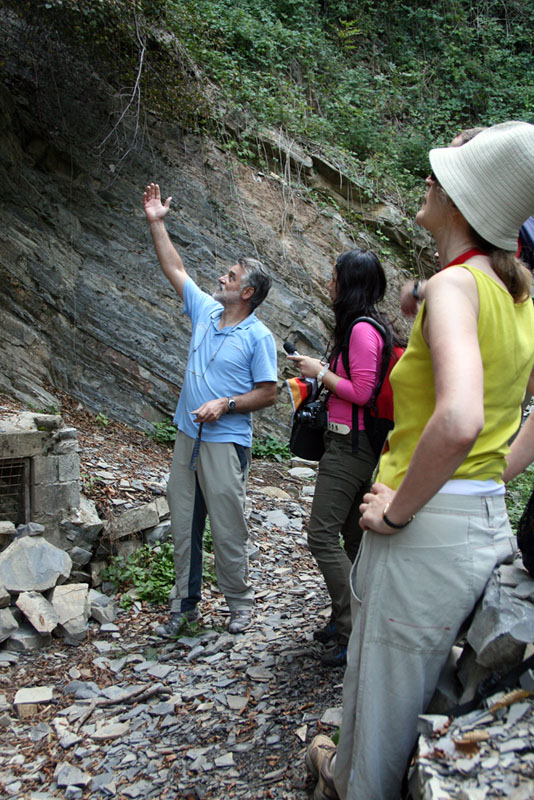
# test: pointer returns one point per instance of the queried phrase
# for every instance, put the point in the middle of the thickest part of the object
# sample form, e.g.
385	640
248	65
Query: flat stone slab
67	774
28	699
273	491
305	473
114	730
34	694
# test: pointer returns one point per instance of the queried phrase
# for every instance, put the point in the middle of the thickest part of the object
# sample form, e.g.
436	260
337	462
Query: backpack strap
386	355
490	685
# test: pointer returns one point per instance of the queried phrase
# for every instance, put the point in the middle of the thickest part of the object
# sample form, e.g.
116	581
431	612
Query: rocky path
210	716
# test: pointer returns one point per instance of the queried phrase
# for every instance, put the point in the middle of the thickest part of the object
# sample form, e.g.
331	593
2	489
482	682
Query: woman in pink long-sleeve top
357	285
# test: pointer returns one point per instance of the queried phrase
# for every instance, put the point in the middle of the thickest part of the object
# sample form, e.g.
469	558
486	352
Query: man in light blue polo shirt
230	372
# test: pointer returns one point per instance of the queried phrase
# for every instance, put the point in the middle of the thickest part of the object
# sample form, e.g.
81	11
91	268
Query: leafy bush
150	570
271	448
367	75
165	432
378	80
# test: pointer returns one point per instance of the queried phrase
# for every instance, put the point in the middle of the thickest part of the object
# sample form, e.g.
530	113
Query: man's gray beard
225	298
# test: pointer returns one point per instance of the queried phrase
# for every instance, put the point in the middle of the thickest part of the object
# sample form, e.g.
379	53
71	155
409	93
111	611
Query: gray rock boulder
30	529
33	564
102	608
38	611
26	639
5	597
71	605
8	624
502	625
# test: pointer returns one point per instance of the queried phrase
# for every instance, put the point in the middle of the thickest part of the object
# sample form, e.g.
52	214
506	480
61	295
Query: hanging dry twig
135	96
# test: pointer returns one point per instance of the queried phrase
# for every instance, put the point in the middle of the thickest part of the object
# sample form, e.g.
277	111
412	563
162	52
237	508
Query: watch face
231	404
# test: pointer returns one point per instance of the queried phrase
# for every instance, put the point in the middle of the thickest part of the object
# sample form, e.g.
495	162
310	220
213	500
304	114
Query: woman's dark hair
361	284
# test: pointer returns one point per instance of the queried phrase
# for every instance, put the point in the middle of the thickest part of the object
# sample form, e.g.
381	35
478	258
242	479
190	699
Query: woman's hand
309	367
372	509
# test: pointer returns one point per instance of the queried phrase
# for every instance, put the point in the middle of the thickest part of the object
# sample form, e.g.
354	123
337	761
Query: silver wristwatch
232	405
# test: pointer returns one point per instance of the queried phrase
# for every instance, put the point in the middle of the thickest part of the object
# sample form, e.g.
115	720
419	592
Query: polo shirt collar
216	315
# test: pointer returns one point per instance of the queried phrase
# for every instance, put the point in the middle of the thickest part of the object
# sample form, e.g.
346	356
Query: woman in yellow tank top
435	521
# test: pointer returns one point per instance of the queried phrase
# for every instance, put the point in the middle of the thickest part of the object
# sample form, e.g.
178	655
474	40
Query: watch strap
394	524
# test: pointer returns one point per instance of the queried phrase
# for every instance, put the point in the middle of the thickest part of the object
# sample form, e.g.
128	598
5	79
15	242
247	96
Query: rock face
85	306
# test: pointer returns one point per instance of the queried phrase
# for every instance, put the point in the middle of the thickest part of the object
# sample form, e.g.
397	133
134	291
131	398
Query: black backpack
525	536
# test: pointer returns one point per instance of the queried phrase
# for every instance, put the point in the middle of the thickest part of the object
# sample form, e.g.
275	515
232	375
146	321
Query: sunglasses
433	177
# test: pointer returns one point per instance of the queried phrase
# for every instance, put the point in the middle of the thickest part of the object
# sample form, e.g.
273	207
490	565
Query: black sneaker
178	623
335	656
325	634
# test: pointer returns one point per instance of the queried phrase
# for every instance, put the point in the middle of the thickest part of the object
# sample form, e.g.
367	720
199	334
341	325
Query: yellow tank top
506	338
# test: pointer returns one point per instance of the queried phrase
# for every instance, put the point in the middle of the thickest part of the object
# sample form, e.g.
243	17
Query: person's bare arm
451	332
169	259
262	395
409	303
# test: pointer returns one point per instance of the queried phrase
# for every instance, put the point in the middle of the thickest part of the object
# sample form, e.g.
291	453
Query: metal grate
15	490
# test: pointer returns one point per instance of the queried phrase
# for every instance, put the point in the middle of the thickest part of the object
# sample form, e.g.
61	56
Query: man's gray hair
257	276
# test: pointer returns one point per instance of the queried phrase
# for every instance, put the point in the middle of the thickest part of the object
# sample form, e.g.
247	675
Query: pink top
365	360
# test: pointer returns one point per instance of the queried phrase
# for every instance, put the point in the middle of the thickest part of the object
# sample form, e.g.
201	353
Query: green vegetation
372	84
150	571
270	448
518	492
165	432
101	419
381	80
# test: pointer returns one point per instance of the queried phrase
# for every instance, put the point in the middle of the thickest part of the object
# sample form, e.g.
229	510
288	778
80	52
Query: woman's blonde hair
512	272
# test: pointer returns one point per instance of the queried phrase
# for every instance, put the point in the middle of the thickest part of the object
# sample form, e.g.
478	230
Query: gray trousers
216	487
342	480
412	591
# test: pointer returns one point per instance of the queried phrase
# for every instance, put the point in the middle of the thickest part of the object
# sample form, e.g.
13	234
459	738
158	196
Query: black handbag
307	432
525	536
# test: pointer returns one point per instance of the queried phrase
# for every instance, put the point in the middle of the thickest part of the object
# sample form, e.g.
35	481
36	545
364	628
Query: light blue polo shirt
222	363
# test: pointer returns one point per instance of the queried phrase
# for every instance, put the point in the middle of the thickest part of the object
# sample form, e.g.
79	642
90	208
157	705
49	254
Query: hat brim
491	180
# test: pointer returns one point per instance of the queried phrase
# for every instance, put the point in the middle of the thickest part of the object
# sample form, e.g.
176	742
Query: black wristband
394	524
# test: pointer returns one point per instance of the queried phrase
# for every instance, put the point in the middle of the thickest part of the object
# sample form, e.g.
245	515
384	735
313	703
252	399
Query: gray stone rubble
125	715
484	755
487	753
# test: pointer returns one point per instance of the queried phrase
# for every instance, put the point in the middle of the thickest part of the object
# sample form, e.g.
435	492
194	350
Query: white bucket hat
491	180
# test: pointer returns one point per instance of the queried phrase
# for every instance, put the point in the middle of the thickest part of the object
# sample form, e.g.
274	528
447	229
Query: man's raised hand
154	208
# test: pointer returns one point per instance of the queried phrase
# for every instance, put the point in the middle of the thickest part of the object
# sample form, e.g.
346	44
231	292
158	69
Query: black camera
313	415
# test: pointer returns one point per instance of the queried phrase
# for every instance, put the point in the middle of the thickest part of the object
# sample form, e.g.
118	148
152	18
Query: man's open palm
154	208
